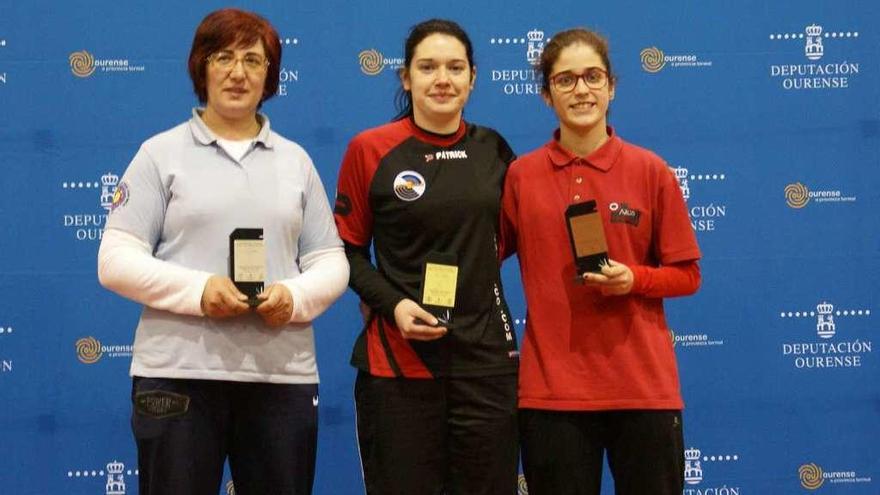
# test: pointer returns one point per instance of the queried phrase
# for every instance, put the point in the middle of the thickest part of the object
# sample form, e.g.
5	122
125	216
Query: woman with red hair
216	374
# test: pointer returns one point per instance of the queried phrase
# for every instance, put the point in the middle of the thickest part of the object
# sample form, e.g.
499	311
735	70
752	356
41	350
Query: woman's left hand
616	279
277	306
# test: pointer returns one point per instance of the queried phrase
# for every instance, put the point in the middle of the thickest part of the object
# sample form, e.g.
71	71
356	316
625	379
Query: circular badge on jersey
409	185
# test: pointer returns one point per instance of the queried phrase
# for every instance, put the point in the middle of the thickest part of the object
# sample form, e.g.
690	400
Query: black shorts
563	451
453	436
185	429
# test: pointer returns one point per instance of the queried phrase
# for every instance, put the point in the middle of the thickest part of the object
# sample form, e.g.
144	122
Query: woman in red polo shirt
597	372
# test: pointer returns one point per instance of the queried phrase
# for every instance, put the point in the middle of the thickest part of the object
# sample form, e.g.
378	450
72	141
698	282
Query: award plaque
247	262
587	238
439	280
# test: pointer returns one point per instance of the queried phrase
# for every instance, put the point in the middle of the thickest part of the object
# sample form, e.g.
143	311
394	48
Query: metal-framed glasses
594	78
252	62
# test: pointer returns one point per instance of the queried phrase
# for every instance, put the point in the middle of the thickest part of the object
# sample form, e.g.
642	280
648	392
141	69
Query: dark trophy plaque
247	262
439	280
587	238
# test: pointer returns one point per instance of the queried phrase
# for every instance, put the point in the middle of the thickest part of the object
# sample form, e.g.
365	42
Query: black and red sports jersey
412	193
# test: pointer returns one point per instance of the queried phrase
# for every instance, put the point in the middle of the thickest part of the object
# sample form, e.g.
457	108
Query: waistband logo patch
160	403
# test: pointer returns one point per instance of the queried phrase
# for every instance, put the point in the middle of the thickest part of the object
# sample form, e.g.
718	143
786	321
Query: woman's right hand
221	299
411	319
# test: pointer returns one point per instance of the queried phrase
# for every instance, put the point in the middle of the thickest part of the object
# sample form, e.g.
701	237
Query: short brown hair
565	39
225	27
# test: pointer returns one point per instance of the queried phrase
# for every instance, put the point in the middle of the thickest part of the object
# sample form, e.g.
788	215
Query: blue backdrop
768	111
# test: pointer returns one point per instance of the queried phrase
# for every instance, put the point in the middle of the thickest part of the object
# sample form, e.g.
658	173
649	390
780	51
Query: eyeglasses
594	78
252	62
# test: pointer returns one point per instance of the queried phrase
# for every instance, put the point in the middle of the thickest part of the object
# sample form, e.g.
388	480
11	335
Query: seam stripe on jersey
392	361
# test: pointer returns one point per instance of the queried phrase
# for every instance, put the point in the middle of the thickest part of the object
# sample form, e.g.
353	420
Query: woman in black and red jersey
435	401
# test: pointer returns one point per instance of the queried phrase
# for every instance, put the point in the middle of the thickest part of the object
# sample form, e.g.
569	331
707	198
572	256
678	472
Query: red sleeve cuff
679	279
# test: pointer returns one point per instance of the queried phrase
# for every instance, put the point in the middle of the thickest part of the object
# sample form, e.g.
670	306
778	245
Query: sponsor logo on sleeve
343	204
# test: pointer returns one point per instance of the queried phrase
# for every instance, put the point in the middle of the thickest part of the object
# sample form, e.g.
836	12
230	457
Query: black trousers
451	436
185	429
563	451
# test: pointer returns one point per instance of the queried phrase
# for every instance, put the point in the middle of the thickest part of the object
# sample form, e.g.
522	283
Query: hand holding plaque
247	262
221	299
616	279
276	305
587	238
439	281
415	323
